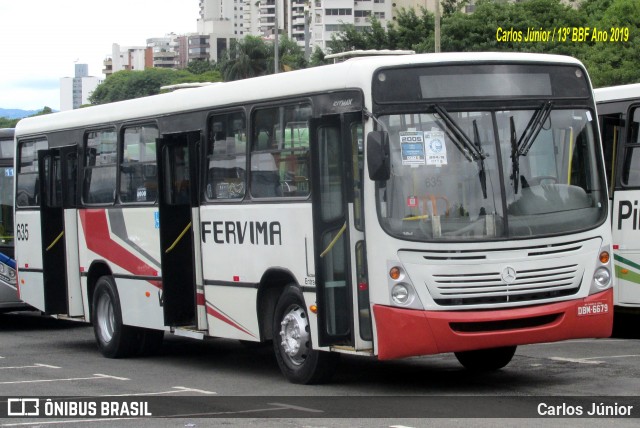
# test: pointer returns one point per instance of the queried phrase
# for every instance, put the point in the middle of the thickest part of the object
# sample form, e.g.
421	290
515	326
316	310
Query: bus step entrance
190	332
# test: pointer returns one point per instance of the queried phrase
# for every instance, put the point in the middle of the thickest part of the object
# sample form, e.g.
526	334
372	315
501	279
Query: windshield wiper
515	158
471	150
523	145
533	128
481	174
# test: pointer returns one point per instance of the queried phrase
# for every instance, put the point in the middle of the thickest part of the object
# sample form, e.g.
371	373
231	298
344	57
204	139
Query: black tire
298	361
486	360
115	340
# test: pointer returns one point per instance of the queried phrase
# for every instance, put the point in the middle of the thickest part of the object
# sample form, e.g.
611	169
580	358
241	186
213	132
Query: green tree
244	58
613	62
410	31
200	66
355	38
450	7
5	122
317	57
127	84
291	56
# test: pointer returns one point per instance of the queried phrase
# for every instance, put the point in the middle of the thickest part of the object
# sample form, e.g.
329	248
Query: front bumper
405	333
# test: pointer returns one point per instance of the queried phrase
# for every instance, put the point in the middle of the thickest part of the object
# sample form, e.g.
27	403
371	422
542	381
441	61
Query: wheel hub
105	318
295	335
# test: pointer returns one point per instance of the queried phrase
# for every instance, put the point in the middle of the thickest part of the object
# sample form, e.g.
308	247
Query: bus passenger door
626	222
177	195
335	236
58	218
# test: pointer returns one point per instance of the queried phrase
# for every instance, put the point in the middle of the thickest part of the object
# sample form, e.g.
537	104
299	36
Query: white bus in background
9	300
619	117
391	206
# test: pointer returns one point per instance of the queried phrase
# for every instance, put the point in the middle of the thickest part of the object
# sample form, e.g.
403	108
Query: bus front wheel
486	360
115	340
298	361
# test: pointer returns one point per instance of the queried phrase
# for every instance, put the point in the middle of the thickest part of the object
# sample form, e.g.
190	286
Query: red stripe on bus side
98	238
214	313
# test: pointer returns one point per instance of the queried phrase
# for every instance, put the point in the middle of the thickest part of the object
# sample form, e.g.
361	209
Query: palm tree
245	58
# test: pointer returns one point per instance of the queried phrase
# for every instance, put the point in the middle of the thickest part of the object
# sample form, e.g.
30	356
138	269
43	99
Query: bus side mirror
378	156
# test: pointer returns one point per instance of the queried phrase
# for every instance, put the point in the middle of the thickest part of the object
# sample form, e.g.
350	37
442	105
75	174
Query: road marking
65	422
201	391
280	406
31	367
576	360
176	390
593	360
111	377
95	376
290	406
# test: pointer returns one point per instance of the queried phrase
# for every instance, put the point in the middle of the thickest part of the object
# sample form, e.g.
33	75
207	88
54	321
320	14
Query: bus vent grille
515	324
489	288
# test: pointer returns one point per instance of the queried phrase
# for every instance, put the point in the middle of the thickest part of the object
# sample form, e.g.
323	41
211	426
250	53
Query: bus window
28	187
100	167
227	157
138	170
280	152
611	127
631	168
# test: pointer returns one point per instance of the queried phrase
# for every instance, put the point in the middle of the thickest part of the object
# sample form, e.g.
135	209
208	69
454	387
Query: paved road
44	357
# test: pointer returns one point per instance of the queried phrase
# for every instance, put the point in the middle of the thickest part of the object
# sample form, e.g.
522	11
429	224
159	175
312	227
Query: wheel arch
97	269
271	286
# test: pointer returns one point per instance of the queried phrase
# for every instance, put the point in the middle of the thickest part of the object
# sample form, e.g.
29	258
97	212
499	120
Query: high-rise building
75	91
312	22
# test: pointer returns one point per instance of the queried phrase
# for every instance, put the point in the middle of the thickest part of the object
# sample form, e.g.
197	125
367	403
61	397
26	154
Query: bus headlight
7	274
602	278
402	294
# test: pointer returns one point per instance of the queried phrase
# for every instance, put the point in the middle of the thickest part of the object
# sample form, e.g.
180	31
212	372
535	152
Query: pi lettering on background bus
240	233
628	214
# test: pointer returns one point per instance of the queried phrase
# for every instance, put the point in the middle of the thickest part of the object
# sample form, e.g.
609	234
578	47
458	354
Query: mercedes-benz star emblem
509	274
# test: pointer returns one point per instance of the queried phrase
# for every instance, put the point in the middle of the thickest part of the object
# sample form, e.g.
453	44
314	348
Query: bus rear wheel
115	340
486	360
298	361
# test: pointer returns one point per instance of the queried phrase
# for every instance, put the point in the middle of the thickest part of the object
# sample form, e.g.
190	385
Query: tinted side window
227	157
280	152
100	167
138	169
631	166
28	187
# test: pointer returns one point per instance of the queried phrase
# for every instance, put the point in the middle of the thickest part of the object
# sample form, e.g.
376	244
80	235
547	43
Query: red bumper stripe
404	332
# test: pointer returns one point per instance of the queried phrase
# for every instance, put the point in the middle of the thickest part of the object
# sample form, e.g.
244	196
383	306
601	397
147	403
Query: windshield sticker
436	150
589	116
412	201
412	147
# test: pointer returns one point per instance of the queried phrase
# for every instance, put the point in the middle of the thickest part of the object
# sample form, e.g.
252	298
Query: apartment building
75	91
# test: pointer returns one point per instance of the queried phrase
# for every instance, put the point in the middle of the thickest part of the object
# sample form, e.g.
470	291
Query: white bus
619	117
385	206
9	300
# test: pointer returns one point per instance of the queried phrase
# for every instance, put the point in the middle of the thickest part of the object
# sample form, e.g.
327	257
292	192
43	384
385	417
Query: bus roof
349	74
6	133
342	56
617	93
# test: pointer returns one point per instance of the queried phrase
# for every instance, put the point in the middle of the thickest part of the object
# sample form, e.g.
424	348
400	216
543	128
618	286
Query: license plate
594	308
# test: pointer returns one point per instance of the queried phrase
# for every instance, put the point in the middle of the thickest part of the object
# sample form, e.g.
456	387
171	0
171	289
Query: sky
44	39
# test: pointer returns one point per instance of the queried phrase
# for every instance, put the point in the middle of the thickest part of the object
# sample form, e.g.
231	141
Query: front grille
483	288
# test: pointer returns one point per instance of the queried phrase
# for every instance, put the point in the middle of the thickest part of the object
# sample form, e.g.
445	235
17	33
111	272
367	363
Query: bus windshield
491	174
6	192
